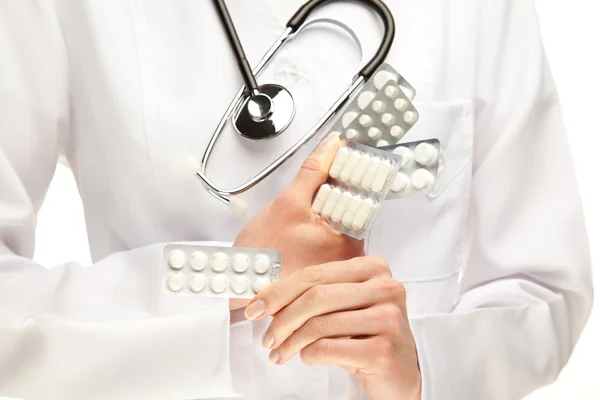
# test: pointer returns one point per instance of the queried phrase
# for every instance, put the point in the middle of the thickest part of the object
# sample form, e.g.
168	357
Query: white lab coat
495	261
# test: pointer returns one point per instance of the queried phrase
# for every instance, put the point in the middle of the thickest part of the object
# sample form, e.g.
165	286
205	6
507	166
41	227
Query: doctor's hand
349	313
289	225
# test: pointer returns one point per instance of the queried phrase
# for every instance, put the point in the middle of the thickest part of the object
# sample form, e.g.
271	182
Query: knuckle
380	265
314	274
315	294
311	164
319	327
393	290
383	351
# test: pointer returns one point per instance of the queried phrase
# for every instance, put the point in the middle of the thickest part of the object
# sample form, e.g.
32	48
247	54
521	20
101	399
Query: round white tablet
383	143
383	77
421	179
348	118
365	120
176	281
218	284
410	117
374	133
219	262
262	263
396	131
406	154
177	259
391	91
351	134
364	99
259	284
198	261
378	106
401	104
426	154
387	119
400	183
197	283
241	263
239	284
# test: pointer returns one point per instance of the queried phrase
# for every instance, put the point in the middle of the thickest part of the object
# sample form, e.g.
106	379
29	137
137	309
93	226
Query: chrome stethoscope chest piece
265	114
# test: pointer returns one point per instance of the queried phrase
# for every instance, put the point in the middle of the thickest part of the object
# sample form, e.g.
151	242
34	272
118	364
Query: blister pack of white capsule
419	168
359	181
381	113
212	271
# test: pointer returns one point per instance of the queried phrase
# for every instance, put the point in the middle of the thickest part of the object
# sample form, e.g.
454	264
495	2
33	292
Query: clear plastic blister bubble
381	113
360	179
213	271
419	168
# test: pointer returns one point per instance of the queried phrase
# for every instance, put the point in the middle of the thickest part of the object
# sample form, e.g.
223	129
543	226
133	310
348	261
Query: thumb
315	169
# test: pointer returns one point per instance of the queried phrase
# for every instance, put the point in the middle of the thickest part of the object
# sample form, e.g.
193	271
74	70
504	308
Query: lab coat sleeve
525	289
104	331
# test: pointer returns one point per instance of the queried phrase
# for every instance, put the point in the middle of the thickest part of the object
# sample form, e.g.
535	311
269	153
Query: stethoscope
264	112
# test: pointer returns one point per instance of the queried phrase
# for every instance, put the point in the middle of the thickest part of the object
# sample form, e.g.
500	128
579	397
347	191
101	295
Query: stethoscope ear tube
379	6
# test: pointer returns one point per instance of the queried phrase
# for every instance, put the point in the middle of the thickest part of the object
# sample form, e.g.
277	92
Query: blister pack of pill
359	181
419	168
382	113
214	271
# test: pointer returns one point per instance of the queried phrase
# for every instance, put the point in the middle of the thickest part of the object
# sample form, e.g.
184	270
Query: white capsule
176	281
331	202
241	263
219	262
365	120
383	77
387	119
397	132
426	154
363	215
383	143
364	99
348	118
406	154
198	261
338	162
410	117
321	198
177	259
401	104
400	183
378	106
340	208
381	176
359	171
197	283
239	285
391	91
259	284
351	134
422	179
370	173
262	264
350	166
351	210
218	284
374	133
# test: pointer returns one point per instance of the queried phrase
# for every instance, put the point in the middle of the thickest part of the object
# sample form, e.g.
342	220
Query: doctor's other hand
289	225
347	313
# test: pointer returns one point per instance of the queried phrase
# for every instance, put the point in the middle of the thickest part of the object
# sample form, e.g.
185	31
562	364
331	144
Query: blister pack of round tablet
214	271
381	113
360	179
419	168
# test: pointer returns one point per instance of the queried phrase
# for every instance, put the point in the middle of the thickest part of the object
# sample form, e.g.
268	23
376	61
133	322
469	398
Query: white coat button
286	75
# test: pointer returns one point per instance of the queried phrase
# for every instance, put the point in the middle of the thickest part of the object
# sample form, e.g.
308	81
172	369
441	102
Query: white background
572	36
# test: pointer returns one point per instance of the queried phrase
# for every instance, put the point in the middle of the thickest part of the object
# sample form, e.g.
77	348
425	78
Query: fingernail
268	340
274	356
255	310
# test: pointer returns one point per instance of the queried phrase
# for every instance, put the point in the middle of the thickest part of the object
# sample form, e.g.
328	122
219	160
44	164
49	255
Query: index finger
281	293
